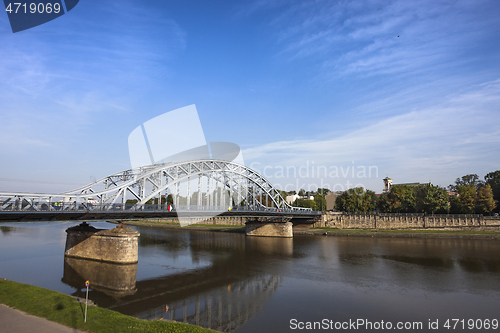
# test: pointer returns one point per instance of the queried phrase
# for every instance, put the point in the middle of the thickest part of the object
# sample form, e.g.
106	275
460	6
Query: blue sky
295	83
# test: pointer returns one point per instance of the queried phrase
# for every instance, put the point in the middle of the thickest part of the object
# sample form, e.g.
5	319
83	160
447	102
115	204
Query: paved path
15	321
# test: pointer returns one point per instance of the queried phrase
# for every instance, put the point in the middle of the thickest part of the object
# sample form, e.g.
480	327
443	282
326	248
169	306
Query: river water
233	283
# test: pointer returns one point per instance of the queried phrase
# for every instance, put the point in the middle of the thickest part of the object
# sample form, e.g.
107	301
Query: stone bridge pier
118	245
279	226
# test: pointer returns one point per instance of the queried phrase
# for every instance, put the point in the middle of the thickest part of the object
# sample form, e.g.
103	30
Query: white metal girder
240	181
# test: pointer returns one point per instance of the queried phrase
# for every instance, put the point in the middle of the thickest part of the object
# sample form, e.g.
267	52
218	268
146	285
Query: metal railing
416	215
26	206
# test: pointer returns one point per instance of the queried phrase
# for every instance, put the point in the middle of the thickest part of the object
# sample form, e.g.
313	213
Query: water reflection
112	279
6	229
223	309
430	264
237	277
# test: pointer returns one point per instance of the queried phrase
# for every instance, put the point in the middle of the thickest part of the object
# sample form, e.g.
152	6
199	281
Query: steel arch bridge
219	185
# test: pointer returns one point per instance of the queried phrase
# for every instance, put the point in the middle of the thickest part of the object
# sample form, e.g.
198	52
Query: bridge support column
188	198
269	227
117	245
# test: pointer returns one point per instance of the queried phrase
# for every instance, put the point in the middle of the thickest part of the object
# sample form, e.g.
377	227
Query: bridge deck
24	216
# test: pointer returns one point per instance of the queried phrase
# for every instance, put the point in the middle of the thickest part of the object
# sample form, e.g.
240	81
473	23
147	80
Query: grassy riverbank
425	233
199	226
66	310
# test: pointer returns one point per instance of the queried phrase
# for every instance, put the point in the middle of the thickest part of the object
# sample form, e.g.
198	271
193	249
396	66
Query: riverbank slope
68	311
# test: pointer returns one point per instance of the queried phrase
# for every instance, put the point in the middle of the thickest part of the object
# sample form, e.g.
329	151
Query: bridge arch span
220	184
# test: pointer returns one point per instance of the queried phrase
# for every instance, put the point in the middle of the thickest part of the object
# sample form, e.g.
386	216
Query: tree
283	194
383	204
370	201
455	207
306	203
493	179
320	201
431	199
170	199
464	201
302	192
484	200
340	201
356	200
402	199
322	191
467	180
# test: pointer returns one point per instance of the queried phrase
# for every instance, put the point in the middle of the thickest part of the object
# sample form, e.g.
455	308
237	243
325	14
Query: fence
405	221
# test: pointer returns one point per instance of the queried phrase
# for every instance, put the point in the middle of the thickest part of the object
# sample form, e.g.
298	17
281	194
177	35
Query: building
388	185
330	200
290	199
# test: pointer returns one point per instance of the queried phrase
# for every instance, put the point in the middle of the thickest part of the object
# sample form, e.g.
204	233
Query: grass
215	225
194	225
67	311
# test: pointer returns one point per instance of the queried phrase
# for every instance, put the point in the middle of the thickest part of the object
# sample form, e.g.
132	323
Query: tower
387	185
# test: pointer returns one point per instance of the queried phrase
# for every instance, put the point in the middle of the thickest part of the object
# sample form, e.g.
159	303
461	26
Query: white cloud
383	37
438	143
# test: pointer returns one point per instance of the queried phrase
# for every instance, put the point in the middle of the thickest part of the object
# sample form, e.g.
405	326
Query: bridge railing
35	206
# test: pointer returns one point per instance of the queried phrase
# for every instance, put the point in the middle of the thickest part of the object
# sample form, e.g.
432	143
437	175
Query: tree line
318	203
468	195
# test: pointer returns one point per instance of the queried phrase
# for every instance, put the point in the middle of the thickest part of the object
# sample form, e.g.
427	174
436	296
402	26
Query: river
233	283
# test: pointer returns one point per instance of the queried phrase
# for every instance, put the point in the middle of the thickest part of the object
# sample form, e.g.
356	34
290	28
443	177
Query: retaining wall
404	221
266	229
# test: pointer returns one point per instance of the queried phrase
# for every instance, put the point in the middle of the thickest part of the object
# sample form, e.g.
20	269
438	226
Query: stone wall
227	220
217	220
266	229
404	221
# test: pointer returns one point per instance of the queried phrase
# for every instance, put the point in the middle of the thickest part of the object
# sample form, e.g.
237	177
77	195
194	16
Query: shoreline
199	227
334	232
469	233
401	233
68	311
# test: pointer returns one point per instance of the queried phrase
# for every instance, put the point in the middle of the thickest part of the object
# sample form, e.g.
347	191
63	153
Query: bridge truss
203	185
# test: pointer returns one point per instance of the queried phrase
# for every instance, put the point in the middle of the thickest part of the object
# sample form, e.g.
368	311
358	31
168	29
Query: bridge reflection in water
223	295
223	309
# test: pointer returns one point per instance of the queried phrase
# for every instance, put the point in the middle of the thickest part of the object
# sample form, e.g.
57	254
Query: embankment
68	311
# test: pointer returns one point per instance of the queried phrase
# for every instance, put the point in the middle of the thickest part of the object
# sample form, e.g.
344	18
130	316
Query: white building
290	199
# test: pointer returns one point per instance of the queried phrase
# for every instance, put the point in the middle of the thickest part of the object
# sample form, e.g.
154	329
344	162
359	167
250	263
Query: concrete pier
117	245
270	227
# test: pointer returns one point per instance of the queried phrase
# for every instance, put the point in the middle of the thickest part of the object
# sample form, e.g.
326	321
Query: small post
86	299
